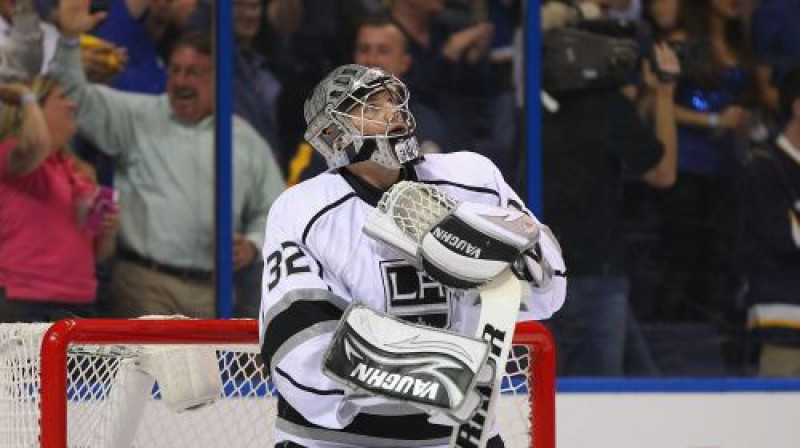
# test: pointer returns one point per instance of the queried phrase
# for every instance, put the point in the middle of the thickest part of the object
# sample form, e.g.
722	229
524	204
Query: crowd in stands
675	197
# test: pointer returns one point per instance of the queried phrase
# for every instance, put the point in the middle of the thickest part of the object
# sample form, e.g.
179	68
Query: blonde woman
47	251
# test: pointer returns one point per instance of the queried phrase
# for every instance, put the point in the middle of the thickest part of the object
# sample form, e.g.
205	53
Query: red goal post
532	343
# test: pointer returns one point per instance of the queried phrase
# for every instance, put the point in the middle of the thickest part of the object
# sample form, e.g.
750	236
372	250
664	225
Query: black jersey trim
368	193
401	427
307	388
494	442
297	317
290	444
458	185
324	210
516	205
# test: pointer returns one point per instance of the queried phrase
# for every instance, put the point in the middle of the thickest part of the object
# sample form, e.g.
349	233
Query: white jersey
318	261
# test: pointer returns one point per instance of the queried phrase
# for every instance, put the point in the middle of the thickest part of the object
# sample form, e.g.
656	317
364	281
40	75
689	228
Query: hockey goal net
78	384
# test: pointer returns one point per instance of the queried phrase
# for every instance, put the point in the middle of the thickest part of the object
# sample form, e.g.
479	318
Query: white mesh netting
112	404
415	208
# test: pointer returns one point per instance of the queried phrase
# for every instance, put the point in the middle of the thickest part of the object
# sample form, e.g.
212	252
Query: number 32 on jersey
287	261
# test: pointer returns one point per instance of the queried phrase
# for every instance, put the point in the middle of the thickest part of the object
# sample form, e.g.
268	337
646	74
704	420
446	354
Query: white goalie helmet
358	113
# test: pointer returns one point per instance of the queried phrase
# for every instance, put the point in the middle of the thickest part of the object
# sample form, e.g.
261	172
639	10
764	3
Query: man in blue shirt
135	25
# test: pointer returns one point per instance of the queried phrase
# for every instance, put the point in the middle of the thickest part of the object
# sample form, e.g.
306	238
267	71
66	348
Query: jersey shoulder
298	205
464	167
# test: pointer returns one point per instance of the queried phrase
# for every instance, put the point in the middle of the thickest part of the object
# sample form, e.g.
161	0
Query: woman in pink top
47	251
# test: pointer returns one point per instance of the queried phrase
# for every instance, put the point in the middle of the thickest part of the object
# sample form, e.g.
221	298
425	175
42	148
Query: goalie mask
358	113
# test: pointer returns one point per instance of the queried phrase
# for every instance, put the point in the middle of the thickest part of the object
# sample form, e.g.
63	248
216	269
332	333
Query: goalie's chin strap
370	145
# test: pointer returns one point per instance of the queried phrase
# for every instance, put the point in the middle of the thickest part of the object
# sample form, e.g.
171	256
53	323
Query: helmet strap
368	147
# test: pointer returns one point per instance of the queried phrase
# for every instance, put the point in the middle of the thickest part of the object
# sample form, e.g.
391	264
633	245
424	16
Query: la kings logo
414	296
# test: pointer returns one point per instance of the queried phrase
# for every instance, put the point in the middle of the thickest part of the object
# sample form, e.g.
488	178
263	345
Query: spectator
700	278
593	139
662	16
663	19
256	87
164	145
445	58
350	14
301	44
508	127
47	250
452	74
136	25
775	31
175	17
256	91
771	196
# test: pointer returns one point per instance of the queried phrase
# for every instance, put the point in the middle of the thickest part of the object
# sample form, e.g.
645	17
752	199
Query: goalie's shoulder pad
475	243
382	355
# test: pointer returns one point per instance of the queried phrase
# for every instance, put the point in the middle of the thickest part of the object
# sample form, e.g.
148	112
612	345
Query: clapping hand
110	223
470	43
75	19
665	68
244	252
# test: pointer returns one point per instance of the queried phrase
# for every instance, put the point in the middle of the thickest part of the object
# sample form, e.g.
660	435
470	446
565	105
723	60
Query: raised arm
664	173
105	116
34	144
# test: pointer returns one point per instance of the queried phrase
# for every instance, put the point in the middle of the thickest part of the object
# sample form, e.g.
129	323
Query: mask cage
382	106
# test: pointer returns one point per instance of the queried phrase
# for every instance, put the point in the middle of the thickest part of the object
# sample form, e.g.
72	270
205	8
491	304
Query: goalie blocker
376	354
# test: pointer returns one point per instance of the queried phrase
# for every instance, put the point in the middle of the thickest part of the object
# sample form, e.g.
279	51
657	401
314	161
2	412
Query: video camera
581	51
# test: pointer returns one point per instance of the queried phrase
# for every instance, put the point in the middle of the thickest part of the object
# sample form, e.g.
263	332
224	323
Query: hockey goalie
384	276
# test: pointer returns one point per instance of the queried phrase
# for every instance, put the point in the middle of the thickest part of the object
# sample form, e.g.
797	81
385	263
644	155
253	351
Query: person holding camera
593	141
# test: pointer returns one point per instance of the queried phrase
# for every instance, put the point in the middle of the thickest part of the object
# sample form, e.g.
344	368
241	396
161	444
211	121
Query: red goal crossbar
60	335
